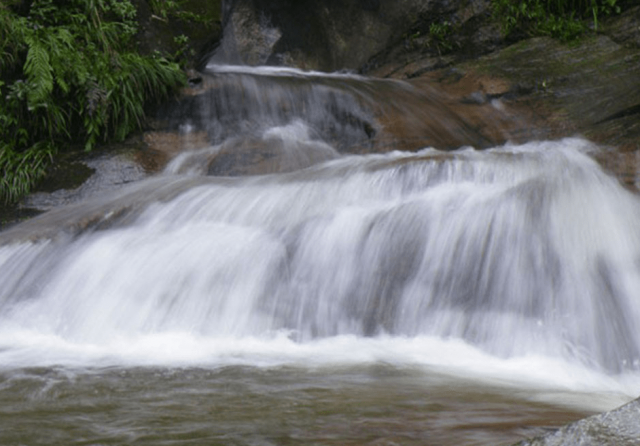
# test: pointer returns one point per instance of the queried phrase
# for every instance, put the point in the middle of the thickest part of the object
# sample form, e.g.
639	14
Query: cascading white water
524	250
518	260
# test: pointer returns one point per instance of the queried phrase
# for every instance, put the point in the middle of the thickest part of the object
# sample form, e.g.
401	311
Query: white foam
264	70
537	377
507	266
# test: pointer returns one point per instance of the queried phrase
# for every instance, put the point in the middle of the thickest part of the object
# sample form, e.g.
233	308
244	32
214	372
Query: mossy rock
590	87
199	22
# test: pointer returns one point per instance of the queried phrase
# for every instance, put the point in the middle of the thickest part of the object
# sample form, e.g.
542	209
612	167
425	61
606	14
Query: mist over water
515	267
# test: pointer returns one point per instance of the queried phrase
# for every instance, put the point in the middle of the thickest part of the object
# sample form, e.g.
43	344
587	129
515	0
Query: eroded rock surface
334	35
619	427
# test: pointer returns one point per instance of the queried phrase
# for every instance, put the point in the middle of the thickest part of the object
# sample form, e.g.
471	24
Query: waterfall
353	113
514	252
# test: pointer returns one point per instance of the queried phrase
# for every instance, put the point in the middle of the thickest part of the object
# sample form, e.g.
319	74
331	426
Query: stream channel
298	281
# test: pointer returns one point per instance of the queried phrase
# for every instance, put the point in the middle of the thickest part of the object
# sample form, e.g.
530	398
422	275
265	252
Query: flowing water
429	298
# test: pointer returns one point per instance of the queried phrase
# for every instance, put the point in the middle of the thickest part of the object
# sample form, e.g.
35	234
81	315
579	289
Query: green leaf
39	72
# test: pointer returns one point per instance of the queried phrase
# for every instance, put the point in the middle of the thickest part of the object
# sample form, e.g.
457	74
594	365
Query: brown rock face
240	115
591	88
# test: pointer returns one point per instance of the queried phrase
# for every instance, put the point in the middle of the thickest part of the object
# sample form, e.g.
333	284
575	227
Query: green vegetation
70	74
438	37
565	20
177	8
189	22
440	34
562	19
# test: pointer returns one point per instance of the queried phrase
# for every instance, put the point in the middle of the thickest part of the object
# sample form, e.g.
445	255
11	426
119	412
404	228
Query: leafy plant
164	9
70	74
21	170
440	34
563	19
438	37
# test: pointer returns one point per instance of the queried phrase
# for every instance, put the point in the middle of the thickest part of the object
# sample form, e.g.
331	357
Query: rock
591	82
270	154
335	35
619	427
248	35
625	29
78	180
352	114
107	209
162	146
162	32
469	33
590	87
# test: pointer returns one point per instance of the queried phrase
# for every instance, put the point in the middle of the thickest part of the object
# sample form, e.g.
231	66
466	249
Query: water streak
352	113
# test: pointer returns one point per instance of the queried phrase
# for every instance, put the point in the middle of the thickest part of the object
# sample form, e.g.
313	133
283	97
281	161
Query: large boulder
550	89
188	31
332	34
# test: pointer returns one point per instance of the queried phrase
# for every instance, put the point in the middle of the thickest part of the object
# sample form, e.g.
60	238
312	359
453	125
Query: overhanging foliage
70	74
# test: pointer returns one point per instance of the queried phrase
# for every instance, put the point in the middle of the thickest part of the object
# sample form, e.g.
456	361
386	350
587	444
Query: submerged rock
619	427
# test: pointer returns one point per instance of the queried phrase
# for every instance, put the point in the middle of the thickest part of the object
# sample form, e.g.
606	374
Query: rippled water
379	404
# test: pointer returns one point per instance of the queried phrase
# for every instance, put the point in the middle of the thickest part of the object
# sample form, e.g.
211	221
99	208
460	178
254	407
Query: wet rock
453	32
552	89
335	35
619	427
165	33
109	208
162	146
241	157
352	114
625	29
71	182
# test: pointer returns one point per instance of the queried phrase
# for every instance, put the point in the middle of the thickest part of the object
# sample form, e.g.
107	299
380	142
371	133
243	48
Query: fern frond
21	171
62	55
39	72
69	73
